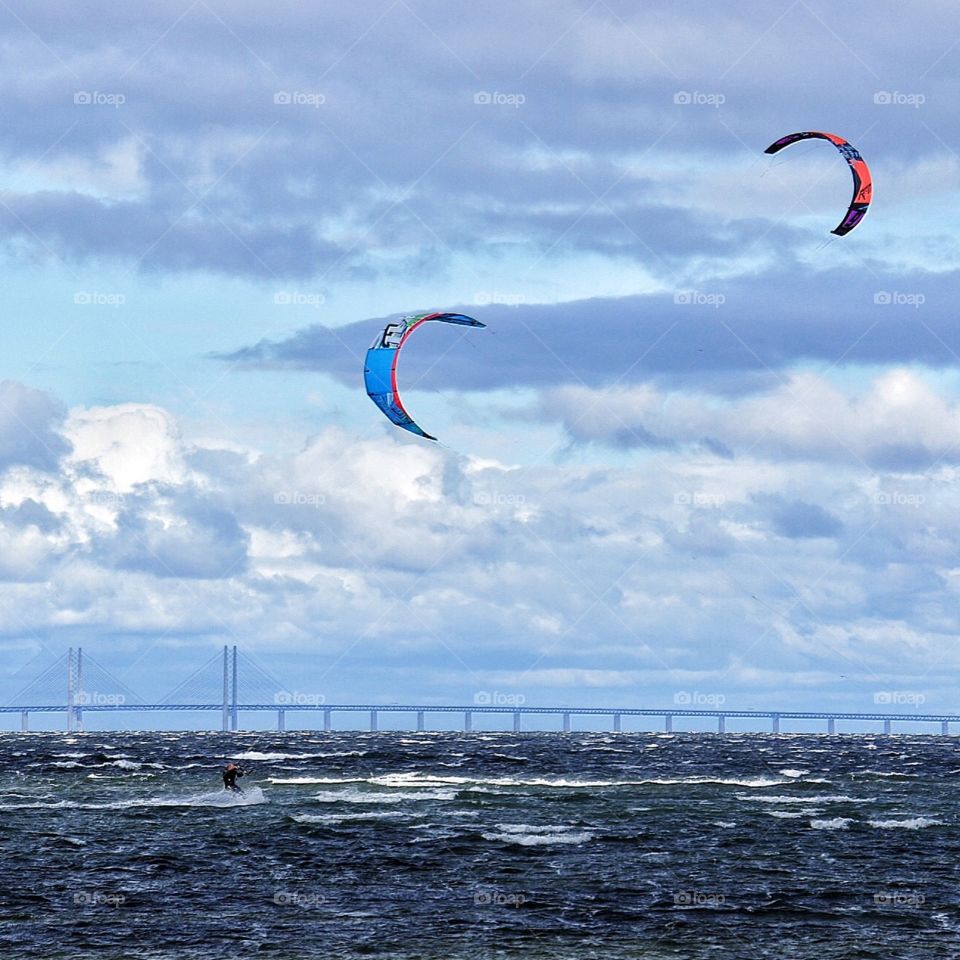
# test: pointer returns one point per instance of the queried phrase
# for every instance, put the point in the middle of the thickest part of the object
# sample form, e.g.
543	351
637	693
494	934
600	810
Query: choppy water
479	845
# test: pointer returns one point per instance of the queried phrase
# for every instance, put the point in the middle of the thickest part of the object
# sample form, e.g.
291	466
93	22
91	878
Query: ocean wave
836	823
532	835
912	823
817	798
359	796
259	756
351	816
426	779
314	780
215	798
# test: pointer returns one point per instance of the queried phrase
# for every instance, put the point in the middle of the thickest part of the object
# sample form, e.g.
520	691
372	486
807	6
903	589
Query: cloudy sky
703	451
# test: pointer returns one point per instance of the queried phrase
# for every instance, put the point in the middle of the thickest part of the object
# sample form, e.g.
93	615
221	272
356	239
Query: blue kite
380	366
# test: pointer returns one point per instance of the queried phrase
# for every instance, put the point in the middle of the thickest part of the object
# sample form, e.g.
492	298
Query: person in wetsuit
230	775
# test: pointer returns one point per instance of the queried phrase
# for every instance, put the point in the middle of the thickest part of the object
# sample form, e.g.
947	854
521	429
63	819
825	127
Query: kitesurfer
230	775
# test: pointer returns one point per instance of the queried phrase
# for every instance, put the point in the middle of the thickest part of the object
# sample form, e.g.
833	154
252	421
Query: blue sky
701	446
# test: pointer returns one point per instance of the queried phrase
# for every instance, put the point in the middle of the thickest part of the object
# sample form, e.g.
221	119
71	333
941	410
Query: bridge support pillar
516	721
886	727
373	721
467	722
25	721
281	721
945	727
326	721
234	715
617	722
225	718
721	724
668	723
831	725
419	721
776	722
566	723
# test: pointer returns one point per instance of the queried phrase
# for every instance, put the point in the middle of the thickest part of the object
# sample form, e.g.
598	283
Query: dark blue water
479	845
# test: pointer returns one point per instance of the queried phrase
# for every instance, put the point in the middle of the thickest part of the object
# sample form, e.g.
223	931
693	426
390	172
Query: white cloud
897	420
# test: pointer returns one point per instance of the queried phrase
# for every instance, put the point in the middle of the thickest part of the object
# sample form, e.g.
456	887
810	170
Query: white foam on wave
251	796
912	823
404	780
534	835
890	773
257	755
215	798
817	799
361	796
351	816
314	780
836	823
790	772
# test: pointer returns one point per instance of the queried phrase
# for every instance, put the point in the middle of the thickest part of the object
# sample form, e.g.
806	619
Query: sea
479	845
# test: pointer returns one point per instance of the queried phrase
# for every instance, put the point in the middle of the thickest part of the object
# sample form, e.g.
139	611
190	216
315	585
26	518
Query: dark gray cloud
393	150
726	337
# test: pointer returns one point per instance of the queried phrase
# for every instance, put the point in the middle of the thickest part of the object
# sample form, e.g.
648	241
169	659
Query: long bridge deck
468	711
216	687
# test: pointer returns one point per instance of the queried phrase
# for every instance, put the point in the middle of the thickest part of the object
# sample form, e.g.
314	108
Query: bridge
89	688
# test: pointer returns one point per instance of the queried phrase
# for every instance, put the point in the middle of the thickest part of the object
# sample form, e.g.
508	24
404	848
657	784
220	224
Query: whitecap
912	823
351	816
837	823
546	837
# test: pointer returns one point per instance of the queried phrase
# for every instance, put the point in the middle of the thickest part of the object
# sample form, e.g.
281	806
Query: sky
704	452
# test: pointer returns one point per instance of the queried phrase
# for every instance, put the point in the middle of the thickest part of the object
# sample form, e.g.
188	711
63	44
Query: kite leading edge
862	181
380	366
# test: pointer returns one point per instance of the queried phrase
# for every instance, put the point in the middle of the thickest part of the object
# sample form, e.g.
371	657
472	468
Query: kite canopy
862	181
380	367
